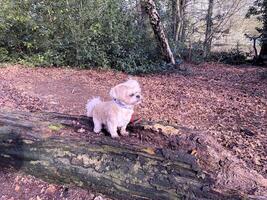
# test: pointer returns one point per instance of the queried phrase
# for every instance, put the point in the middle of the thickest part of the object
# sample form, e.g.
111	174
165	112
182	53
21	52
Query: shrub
76	33
4	57
192	53
232	57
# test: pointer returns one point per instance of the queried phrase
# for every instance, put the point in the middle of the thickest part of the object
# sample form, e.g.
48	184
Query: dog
116	113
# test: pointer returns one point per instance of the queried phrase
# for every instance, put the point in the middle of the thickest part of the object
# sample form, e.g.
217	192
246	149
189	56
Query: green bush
232	57
4	55
192	53
93	33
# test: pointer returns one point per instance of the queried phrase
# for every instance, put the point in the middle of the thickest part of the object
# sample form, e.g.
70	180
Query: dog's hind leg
123	131
97	125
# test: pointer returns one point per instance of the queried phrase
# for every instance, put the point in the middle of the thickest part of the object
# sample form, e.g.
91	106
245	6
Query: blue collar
122	105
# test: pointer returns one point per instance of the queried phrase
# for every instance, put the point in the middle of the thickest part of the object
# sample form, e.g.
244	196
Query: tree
263	52
218	20
158	29
208	32
254	39
259	9
178	19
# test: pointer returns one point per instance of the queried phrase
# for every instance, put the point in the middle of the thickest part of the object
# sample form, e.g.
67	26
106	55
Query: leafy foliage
193	53
258	10
3	55
93	33
77	33
234	57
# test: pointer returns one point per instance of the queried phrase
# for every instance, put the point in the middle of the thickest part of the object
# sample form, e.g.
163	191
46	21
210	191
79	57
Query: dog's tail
91	103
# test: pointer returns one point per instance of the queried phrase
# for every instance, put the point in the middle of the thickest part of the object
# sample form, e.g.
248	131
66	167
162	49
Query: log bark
158	29
63	149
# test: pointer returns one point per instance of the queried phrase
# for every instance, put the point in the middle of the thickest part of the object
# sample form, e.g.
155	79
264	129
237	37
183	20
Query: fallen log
63	149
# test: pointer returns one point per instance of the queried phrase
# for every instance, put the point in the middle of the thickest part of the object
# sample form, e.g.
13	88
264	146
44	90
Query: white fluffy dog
116	113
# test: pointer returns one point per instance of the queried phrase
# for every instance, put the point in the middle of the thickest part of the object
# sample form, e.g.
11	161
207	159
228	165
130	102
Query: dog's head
128	92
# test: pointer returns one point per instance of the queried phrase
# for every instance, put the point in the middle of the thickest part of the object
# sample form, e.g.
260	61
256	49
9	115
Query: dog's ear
118	91
114	91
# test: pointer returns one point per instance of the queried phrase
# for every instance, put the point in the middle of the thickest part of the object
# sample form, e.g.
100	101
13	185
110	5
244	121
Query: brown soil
228	103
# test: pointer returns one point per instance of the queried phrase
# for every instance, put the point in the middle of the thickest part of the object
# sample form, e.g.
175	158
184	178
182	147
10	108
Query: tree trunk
263	51
157	27
208	33
142	21
53	147
175	18
178	15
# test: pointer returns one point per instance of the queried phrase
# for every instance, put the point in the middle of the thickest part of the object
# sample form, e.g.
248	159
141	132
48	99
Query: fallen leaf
81	130
149	150
17	188
55	127
51	189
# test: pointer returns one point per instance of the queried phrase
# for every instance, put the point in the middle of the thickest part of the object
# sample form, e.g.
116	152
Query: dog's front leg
112	128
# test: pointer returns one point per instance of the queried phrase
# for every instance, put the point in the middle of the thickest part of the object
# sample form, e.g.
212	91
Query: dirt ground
228	102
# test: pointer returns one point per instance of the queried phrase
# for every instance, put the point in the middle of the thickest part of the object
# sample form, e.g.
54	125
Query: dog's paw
96	130
115	136
124	133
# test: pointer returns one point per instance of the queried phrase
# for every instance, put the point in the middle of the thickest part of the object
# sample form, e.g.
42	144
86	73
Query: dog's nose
138	96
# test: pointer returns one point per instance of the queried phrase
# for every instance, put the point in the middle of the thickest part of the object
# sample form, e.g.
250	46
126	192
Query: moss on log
49	146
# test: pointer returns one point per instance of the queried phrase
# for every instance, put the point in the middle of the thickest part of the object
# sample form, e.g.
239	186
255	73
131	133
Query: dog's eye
131	95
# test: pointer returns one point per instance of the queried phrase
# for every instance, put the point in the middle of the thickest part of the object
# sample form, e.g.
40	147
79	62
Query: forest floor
229	103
